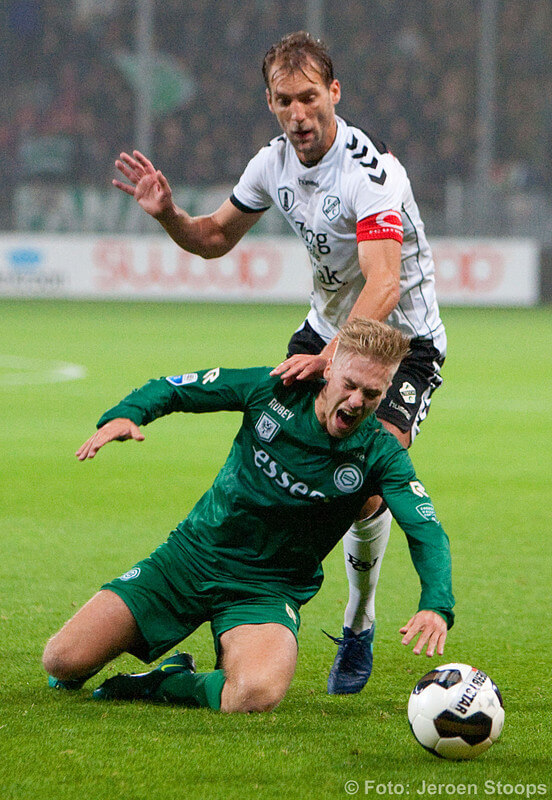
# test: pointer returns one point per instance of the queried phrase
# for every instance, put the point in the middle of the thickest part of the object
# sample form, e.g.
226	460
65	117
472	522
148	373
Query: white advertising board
468	272
486	271
151	267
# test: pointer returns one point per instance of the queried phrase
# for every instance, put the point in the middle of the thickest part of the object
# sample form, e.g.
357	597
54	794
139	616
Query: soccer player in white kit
350	201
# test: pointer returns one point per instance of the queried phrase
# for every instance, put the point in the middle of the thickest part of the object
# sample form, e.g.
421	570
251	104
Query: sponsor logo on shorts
404	411
348	478
408	392
266	427
182	380
286	196
331	207
131	574
291	613
427	511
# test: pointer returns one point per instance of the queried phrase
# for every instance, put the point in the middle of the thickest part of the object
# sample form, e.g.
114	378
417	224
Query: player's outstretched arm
208	236
432	629
115	430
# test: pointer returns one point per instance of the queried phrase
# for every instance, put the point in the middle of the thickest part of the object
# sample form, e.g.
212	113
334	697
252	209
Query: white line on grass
23	371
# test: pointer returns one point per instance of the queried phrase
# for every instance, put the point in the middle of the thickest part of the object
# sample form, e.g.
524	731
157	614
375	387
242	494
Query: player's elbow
214	251
216	245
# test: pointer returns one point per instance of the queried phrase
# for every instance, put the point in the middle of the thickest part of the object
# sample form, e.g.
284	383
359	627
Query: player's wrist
169	215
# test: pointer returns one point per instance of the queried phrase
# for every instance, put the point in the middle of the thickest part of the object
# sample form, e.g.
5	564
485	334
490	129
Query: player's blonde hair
370	338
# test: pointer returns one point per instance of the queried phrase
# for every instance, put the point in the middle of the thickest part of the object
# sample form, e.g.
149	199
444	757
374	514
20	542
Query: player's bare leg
101	630
364	546
259	664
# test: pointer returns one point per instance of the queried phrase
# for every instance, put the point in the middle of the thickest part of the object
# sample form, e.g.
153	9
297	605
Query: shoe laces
353	647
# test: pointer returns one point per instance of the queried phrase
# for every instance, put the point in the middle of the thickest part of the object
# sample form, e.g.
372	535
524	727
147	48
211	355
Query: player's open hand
115	430
432	629
148	185
300	367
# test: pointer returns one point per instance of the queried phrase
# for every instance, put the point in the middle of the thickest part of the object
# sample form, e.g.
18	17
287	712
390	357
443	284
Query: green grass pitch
485	455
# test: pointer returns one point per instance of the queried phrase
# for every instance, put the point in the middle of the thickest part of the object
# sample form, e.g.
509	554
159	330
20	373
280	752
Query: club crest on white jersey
331	207
286	196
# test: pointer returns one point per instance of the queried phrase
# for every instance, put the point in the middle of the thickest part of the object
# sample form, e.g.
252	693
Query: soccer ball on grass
456	711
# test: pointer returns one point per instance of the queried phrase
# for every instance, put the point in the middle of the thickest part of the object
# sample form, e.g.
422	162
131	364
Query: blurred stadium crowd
408	72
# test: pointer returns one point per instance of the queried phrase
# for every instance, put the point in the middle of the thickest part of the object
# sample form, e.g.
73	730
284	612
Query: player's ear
335	91
269	100
328	369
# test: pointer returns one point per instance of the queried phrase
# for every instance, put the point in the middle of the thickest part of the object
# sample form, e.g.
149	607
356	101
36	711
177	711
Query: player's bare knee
61	661
263	698
255	695
55	660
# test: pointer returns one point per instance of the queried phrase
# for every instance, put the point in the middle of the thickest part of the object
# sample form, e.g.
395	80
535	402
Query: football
456	711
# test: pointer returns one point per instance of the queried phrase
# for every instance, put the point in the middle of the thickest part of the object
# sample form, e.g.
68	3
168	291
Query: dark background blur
409	74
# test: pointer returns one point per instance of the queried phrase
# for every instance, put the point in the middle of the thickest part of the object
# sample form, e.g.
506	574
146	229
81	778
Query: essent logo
282	478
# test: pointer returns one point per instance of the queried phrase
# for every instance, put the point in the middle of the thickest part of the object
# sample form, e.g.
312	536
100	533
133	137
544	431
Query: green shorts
170	596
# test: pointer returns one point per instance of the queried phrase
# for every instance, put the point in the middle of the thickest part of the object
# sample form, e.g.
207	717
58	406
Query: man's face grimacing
305	109
355	387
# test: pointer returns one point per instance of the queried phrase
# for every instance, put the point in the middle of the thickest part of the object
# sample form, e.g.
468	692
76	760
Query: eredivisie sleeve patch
385	225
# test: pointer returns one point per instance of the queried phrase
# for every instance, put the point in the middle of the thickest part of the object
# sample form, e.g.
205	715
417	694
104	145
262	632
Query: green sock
192	688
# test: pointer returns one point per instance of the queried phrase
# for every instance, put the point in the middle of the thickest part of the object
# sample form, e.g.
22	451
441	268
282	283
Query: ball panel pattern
455	711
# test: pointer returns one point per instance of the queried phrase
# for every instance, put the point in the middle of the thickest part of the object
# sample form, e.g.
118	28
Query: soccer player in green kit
249	553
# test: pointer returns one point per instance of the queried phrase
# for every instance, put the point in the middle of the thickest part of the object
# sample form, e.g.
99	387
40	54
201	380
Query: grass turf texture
485	455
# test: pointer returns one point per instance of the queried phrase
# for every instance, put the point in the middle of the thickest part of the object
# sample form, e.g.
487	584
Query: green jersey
288	490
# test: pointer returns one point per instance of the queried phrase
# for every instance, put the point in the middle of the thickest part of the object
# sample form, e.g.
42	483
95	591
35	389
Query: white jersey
357	191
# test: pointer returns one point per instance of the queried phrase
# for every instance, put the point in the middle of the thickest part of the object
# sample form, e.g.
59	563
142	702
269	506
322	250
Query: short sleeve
376	194
251	193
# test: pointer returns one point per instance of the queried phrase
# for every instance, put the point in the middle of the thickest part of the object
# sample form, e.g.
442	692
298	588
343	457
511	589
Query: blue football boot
353	663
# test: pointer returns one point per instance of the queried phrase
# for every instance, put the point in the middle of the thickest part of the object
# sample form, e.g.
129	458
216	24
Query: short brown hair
370	338
294	52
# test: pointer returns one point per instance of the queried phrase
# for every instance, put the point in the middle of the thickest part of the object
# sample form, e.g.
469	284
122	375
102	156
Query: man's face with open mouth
355	387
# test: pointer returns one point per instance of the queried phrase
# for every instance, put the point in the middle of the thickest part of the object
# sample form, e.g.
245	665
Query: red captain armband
385	225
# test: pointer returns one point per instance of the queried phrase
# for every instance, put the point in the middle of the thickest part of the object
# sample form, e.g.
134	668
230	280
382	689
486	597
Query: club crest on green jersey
266	427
